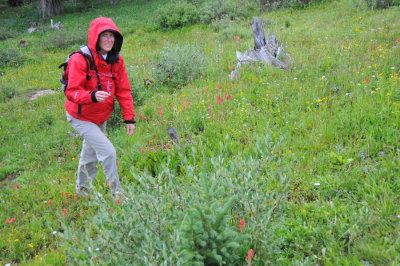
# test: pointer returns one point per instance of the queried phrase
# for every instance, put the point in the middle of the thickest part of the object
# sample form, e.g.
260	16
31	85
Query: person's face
106	42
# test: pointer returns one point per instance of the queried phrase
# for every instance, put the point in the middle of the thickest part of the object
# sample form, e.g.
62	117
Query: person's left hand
130	129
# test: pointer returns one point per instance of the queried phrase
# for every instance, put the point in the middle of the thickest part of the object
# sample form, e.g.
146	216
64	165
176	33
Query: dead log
269	51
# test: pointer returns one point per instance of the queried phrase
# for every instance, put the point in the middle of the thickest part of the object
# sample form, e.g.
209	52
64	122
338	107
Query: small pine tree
206	236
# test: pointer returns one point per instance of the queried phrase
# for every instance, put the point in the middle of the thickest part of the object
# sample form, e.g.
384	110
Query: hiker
90	103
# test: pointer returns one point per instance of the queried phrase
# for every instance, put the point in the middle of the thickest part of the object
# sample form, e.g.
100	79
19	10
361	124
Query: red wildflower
13	220
155	136
118	201
64	212
142	150
241	225
367	80
250	255
398	39
66	202
228	97
50	202
17	186
62	193
205	89
67	152
75	197
7	221
161	113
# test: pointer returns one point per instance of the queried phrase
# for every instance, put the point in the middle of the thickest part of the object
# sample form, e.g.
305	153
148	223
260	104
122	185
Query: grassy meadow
307	157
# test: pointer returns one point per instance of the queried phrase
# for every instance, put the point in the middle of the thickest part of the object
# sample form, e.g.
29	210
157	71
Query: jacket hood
98	26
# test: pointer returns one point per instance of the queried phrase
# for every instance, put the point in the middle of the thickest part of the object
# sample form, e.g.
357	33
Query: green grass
322	122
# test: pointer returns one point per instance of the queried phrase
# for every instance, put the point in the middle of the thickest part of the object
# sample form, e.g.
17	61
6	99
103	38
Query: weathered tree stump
269	51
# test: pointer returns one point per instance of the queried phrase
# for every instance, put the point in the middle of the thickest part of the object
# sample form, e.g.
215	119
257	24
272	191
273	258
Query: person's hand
101	96
130	129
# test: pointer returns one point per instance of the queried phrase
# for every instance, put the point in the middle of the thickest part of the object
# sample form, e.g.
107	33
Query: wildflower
112	209
13	220
66	202
118	201
64	212
142	150
367	80
75	197
67	152
398	39
62	193
161	113
241	225
30	245
17	186
81	212
250	255
228	97
16	240
50	202
7	221
155	136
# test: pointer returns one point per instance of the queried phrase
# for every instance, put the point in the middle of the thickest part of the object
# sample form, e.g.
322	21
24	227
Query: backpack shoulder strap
84	49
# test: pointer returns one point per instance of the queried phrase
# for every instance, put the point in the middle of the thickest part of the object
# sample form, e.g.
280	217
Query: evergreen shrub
178	65
213	211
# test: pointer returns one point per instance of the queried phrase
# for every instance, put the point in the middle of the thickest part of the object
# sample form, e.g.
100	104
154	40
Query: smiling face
106	42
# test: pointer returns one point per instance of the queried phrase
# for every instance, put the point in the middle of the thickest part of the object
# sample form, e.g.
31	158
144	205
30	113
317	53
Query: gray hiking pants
96	148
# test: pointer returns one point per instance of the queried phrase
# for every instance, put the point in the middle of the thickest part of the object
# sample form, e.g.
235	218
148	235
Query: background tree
49	8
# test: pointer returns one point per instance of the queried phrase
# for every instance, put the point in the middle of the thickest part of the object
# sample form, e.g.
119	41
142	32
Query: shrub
5	33
380	4
216	9
62	39
176	15
206	237
179	65
11	57
6	93
294	4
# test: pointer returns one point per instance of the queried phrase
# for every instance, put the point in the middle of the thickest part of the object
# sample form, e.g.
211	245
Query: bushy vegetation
181	13
280	167
176	15
10	57
179	65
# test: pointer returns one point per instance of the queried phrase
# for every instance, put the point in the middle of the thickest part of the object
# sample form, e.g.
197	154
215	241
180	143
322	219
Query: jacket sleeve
77	71
123	92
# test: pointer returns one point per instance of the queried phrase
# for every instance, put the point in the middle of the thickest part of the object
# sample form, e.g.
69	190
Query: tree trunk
50	8
269	51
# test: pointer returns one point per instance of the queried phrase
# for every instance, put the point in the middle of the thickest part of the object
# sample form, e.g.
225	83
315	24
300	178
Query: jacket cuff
130	121
93	95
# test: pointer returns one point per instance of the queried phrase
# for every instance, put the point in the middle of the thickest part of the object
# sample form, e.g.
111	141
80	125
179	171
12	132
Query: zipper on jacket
79	110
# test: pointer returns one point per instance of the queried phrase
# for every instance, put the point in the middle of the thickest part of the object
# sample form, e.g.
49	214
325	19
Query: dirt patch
36	94
8	179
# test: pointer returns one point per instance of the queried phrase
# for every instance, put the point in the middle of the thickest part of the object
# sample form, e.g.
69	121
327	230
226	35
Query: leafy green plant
176	15
179	65
11	57
6	93
206	237
62	39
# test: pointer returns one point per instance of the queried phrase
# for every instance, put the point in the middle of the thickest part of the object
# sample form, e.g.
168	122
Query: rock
32	29
173	135
22	44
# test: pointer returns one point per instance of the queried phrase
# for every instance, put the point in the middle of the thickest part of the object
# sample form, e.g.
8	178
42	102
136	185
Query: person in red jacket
89	105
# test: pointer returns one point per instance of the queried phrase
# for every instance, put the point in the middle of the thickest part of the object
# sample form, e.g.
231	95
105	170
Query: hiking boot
82	192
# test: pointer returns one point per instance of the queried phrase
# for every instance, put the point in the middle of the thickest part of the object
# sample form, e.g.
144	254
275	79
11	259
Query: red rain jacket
79	88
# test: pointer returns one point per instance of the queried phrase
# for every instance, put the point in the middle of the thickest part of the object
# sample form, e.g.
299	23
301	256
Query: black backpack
90	65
